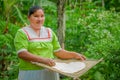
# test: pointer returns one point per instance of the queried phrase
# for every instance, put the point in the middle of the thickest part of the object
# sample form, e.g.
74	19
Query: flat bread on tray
71	68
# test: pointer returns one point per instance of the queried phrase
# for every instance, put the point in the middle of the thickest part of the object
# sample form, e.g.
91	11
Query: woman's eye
36	16
42	15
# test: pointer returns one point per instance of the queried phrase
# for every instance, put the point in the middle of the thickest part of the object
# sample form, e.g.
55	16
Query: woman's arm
34	58
63	54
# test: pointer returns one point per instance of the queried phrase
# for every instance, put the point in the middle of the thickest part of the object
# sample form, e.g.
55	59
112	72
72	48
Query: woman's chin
38	26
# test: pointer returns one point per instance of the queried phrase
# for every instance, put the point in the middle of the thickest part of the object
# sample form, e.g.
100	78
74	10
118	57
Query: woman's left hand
79	56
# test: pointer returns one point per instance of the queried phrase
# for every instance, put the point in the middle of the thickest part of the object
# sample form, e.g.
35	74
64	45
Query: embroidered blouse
44	45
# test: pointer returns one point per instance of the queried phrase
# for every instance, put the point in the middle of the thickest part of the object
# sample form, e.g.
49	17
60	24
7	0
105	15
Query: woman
36	43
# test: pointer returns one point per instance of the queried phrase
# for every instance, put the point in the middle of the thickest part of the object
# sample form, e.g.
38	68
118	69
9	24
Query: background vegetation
92	28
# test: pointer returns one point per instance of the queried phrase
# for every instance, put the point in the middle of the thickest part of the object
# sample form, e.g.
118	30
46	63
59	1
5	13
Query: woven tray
89	64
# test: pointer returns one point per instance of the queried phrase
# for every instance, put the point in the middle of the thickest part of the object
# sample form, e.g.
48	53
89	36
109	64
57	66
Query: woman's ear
28	17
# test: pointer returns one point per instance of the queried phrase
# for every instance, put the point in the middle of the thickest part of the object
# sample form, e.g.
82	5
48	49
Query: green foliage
20	15
50	10
113	4
96	34
8	57
89	29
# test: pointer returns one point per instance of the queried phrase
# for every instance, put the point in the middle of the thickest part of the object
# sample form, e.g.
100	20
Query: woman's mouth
38	22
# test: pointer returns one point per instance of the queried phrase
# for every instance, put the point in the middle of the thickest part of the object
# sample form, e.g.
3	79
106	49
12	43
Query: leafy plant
95	34
90	30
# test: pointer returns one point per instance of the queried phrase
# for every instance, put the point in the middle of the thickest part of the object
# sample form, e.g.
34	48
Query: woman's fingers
80	56
51	62
48	62
83	57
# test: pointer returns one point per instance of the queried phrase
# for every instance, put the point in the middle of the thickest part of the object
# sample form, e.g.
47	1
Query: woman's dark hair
33	9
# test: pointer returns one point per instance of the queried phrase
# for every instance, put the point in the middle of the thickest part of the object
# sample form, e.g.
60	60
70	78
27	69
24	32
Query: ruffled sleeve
21	41
55	42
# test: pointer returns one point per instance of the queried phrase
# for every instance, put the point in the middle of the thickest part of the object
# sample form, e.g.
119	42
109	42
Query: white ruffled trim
58	50
21	50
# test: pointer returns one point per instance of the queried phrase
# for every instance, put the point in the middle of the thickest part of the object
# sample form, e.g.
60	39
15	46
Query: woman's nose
40	18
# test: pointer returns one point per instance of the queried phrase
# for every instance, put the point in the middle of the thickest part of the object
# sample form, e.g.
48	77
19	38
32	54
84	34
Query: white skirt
38	75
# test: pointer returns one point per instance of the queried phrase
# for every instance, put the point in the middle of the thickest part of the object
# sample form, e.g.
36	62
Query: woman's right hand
31	57
48	62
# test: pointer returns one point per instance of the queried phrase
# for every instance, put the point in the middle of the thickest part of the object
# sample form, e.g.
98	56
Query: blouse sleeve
21	41
55	42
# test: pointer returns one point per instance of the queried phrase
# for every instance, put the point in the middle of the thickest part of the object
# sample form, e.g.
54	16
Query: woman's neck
36	30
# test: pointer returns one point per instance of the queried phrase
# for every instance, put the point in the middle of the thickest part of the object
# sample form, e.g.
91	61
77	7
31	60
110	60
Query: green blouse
43	45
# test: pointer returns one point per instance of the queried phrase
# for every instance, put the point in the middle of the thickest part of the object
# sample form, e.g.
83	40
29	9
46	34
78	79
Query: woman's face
37	19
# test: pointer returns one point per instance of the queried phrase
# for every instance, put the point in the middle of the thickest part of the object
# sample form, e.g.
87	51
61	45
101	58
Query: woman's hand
79	56
63	54
48	61
31	57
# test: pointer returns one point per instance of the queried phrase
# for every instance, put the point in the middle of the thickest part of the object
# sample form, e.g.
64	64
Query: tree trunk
103	3
61	21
